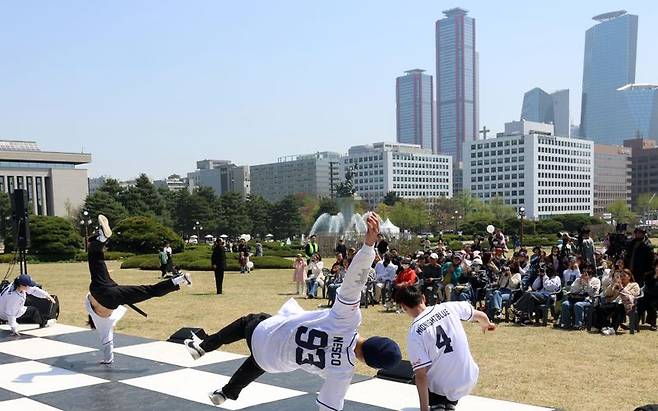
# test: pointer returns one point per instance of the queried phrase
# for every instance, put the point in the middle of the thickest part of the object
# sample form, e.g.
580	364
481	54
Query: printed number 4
442	340
315	342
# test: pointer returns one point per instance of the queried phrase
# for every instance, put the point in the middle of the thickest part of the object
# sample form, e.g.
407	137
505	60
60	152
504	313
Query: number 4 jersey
437	340
320	342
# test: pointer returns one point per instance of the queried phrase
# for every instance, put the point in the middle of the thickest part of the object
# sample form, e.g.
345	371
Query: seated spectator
581	295
649	303
545	285
452	272
502	293
553	259
572	272
315	277
385	272
408	276
432	279
619	298
336	281
340	262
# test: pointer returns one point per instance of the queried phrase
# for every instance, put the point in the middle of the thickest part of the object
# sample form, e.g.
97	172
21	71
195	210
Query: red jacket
406	277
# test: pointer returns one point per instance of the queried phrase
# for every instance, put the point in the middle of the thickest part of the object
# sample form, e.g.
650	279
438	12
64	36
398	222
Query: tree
197	206
621	213
646	202
143	234
260	212
5	216
103	203
501	211
143	199
234	219
326	205
53	238
391	198
286	218
410	215
112	187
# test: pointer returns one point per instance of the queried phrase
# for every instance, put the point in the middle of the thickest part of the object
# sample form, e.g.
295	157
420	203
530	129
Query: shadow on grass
205	294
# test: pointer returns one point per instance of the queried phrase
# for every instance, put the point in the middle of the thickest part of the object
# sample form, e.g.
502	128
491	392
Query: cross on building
484	132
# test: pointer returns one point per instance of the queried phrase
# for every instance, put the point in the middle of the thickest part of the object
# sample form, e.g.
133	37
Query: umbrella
269	235
223	236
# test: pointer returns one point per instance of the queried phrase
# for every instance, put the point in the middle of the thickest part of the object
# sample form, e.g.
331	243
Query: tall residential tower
456	83
414	109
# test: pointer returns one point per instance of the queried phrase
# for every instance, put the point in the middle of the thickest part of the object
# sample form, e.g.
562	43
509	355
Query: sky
152	86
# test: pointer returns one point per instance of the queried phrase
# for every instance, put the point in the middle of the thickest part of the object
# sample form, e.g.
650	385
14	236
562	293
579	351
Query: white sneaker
188	279
217	397
105	229
194	348
51	322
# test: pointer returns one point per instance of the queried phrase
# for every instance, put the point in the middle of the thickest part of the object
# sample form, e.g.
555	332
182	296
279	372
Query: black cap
381	352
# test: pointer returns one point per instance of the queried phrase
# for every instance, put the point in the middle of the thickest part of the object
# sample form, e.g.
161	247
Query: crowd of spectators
579	285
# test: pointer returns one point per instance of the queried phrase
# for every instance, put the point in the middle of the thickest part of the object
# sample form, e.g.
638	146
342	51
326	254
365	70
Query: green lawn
541	366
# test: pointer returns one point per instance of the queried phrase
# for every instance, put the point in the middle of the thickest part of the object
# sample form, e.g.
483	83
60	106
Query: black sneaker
217	397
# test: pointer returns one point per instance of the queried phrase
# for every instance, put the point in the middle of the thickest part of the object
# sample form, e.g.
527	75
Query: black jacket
639	258
218	258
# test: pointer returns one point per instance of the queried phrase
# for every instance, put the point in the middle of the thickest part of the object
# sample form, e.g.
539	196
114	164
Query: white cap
434	256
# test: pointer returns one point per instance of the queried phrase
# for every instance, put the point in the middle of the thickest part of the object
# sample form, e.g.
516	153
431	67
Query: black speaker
19	207
185	333
47	309
403	372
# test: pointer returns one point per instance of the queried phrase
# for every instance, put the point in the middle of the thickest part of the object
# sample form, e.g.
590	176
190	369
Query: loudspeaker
403	372
47	309
19	207
185	333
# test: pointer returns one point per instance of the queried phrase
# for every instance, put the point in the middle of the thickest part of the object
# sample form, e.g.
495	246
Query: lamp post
521	216
198	228
86	222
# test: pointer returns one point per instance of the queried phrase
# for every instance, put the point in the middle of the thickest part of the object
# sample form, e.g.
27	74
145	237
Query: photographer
546	284
432	280
12	304
649	303
639	255
587	247
571	273
502	292
581	295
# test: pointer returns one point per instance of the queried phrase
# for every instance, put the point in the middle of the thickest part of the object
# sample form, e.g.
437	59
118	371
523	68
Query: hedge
79	257
200	261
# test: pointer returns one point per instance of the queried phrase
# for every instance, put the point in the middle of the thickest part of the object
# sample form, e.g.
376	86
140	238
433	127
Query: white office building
528	166
407	169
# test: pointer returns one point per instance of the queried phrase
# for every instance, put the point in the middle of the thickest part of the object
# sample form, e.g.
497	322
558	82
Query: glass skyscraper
541	107
639	106
456	83
610	54
414	111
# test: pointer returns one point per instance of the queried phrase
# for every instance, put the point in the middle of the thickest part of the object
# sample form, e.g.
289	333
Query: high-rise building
408	169
639	102
312	174
456	83
222	176
414	96
644	167
528	166
609	63
612	176
541	107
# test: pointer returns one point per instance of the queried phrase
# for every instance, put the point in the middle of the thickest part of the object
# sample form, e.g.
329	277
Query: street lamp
197	227
521	216
86	222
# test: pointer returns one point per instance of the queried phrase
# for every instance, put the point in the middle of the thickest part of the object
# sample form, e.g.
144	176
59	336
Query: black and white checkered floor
56	368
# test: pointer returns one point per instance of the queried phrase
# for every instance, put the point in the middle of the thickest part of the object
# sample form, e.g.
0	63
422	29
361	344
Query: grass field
541	366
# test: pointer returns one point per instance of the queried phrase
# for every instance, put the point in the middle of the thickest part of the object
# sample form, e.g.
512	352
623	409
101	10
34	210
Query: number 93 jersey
437	340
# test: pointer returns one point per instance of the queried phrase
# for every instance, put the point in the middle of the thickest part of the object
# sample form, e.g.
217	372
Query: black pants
219	280
609	314
648	305
32	316
441	403
530	302
112	297
242	328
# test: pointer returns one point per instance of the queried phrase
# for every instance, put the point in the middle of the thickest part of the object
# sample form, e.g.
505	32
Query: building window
2	184
30	185
19	181
39	187
10	184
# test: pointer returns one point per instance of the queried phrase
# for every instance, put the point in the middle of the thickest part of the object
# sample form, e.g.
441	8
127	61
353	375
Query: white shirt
571	275
437	340
105	328
319	342
550	284
12	303
387	273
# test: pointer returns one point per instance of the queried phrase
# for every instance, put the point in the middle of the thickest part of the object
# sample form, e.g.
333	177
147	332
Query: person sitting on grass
438	348
583	291
12	304
619	298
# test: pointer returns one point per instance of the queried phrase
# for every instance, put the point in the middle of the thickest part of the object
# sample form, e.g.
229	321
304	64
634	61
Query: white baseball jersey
437	340
105	328
320	342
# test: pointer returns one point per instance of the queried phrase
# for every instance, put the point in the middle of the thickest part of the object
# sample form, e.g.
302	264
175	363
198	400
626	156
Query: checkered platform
56	368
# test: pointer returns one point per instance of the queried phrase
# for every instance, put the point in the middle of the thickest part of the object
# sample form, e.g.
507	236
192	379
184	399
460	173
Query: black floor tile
90	339
8	395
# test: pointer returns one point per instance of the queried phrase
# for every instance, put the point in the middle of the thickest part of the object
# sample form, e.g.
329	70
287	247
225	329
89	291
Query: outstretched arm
349	292
483	321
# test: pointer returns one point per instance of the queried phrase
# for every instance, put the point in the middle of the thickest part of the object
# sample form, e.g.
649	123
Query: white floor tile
32	378
25	404
176	354
38	348
21	327
194	385
404	397
56	329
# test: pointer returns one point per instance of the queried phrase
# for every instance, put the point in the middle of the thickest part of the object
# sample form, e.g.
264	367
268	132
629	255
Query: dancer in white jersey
438	349
323	342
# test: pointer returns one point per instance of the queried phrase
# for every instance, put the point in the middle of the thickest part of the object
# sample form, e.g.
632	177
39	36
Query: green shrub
455	245
53	238
199	260
143	235
109	255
